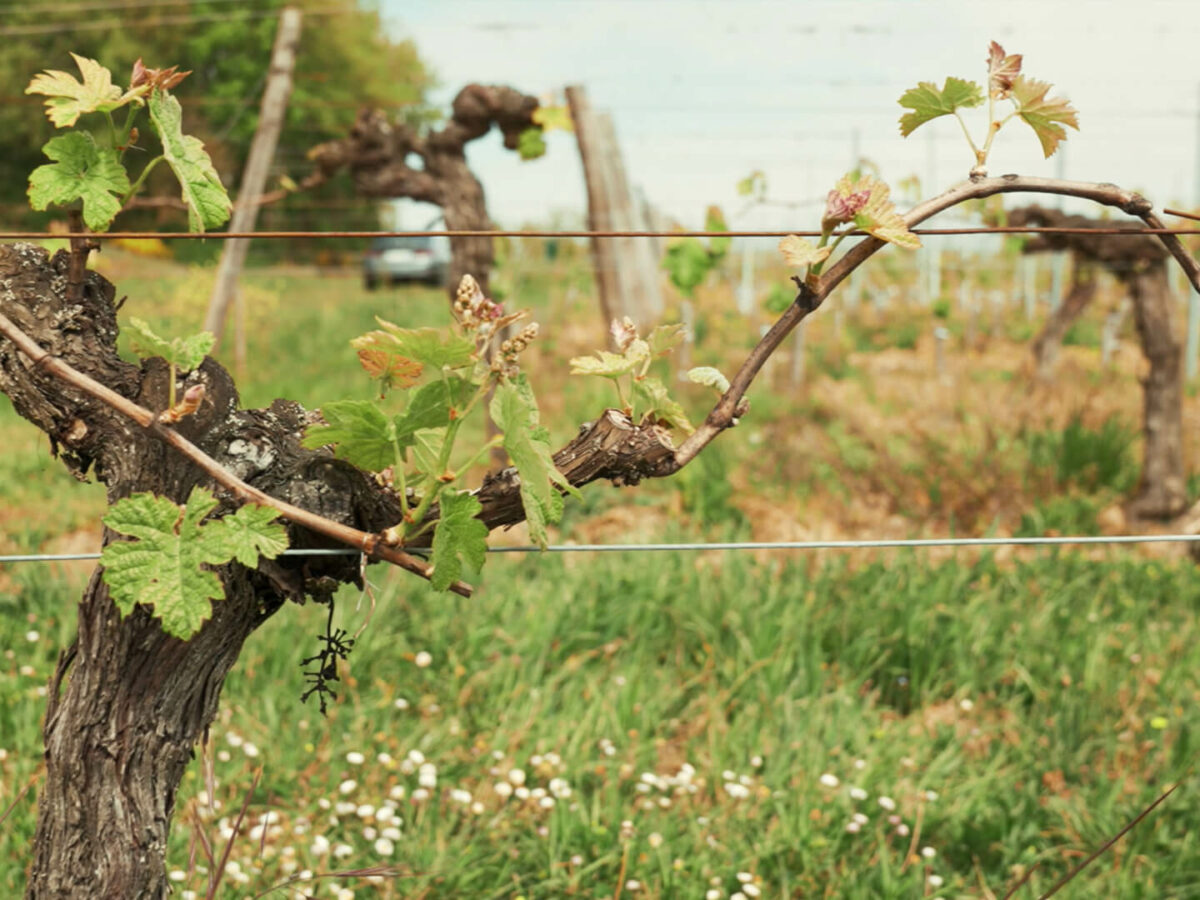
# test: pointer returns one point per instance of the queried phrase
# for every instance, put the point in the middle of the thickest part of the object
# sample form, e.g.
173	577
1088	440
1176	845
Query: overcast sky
705	91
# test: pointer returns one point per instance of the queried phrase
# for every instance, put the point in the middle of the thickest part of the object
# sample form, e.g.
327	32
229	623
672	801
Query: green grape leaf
665	338
80	171
714	220
654	399
69	98
360	433
800	253
514	410
427	447
1045	116
554	118
430	407
458	537
709	377
207	202
928	102
249	533
427	346
161	568
605	363
184	353
531	144
687	261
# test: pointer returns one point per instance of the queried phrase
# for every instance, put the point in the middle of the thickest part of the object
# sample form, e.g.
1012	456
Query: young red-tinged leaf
458	538
1043	115
879	217
164	79
665	338
429	346
360	433
1002	71
80	171
928	102
800	253
624	332
69	98
207	202
652	398
390	368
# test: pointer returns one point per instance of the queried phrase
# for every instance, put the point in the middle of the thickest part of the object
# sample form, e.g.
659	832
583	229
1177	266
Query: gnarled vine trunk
381	157
1139	263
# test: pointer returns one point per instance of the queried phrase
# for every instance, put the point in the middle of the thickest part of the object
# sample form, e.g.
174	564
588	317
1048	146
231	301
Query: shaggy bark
128	703
380	156
1140	264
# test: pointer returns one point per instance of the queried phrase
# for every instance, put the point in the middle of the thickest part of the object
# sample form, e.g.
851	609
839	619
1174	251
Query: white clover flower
416	757
853	827
887	803
745	877
756	762
503	788
553	759
928	852
223	756
516	776
752	890
420	795
384	814
458	795
384	759
324	803
830	781
384	847
860	764
935	881
369	833
894	820
365	811
560	788
857	793
347	786
633	885
427	778
391	833
400	703
966	704
32	636
250	749
423	660
546	802
737	895
345	894
521	793
397	792
341	851
902	830
860	818
477	808
355	758
233	739
737	791
536	760
174	874
931	795
713	894
655	840
577	860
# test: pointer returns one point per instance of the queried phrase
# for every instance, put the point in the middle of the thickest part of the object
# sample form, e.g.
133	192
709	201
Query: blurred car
389	260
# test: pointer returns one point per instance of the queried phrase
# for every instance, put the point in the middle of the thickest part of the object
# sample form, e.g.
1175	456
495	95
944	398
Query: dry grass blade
220	869
1099	851
368	872
17	799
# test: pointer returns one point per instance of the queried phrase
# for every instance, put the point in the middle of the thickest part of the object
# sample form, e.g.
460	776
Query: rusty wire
577	233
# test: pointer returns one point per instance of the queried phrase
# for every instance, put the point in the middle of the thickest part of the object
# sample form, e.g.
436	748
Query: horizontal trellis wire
1131	230
702	546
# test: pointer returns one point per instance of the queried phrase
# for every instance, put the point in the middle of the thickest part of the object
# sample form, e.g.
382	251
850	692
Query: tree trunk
119	738
1162	492
1047	344
464	208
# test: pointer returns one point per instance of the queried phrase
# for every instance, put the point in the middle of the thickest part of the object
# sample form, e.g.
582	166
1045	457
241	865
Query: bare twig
370	544
219	871
732	403
21	793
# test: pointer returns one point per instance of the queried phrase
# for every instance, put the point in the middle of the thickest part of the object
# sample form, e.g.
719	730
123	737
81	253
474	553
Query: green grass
1027	696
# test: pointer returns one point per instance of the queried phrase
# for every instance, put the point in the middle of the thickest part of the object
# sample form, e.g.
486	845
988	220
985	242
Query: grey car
389	260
